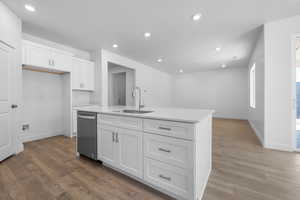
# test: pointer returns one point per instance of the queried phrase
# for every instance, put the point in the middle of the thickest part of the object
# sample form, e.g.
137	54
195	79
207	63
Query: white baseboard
257	133
19	147
279	147
228	117
28	137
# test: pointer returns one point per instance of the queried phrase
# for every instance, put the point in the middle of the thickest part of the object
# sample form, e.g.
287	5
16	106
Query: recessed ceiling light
115	46
30	8
181	70
197	17
159	60
147	35
223	65
218	49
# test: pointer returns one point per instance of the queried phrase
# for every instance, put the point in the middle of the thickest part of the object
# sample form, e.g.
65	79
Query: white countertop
171	114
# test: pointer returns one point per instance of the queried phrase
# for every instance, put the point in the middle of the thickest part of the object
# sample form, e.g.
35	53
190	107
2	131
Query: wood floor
242	170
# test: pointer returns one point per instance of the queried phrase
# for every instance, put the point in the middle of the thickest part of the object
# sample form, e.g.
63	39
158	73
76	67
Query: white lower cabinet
173	157
122	149
107	147
130	151
173	179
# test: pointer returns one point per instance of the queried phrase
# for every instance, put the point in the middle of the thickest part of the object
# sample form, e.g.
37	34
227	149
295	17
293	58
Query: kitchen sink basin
135	111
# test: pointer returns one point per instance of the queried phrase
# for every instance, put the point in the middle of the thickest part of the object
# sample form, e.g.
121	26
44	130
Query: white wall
79	97
130	82
223	90
256	115
10	34
158	85
279	82
43	105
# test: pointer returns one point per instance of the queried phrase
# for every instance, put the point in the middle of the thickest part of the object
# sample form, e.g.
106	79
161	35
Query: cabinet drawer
124	122
170	178
170	150
168	128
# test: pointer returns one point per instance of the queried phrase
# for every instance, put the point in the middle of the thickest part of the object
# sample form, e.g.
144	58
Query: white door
130	152
107	145
6	81
38	56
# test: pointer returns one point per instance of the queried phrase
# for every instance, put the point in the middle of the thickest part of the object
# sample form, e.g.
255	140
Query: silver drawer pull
164	128
165	177
164	150
86	117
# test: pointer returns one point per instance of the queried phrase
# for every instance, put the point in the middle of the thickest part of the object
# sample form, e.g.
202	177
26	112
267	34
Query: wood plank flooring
242	170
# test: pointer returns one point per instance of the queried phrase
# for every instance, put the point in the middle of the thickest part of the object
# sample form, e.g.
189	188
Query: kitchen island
168	149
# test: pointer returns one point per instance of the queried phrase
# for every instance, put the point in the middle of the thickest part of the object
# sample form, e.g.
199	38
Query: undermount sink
135	111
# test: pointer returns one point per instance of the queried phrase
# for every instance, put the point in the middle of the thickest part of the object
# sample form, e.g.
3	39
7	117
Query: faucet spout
140	96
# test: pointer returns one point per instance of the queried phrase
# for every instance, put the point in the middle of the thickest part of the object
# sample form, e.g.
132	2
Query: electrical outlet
25	127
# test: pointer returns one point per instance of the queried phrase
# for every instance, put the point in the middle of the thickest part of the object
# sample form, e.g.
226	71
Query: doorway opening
121	83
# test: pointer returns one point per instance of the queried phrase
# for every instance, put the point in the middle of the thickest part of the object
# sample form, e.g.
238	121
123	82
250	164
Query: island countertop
170	114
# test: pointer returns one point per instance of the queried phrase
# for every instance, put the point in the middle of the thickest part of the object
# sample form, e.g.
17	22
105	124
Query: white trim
205	185
280	147
257	133
293	87
252	86
32	137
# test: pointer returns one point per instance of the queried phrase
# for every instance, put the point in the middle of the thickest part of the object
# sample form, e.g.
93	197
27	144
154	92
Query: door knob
14	106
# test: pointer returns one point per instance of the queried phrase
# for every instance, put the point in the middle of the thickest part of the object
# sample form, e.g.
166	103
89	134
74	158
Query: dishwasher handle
86	117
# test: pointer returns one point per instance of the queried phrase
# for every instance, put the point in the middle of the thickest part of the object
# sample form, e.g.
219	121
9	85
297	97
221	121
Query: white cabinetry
74	122
121	148
40	56
107	145
83	74
130	151
173	157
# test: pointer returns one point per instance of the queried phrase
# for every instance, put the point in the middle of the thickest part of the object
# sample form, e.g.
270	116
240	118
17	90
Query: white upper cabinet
62	61
40	56
36	55
83	75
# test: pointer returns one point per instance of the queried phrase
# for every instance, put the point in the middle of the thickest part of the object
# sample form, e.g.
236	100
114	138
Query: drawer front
170	178
124	122
170	150
168	128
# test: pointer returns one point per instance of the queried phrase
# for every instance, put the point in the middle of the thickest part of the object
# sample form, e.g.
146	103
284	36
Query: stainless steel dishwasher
87	134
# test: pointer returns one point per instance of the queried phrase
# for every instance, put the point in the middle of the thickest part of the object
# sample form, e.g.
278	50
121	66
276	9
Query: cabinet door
61	61
75	74
74	122
83	75
107	145
130	153
89	76
36	55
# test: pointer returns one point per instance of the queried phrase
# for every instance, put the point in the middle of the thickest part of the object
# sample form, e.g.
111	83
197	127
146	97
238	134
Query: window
252	86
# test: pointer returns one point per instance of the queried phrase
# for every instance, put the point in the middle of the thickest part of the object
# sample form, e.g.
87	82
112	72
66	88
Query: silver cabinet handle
117	137
164	177
53	62
86	117
113	136
81	85
164	128
164	150
49	62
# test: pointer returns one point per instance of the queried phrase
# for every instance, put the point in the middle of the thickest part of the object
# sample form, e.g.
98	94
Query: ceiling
181	42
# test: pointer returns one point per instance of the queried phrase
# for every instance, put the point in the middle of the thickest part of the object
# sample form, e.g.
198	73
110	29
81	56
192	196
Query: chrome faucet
140	97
